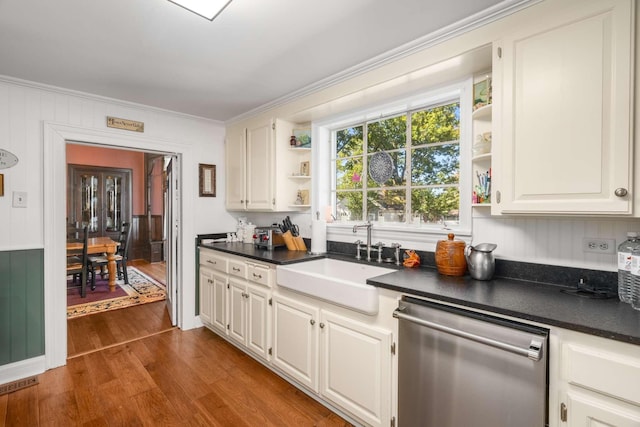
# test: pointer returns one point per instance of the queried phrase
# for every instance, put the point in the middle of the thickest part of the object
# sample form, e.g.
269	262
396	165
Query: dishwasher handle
534	352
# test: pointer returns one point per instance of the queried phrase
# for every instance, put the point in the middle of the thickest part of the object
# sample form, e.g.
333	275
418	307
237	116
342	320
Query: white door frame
55	138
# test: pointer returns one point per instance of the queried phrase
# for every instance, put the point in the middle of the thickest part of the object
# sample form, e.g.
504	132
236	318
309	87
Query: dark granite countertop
532	301
542	303
279	256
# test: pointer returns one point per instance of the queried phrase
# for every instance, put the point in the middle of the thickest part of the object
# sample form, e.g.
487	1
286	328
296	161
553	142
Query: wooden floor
100	330
157	270
178	378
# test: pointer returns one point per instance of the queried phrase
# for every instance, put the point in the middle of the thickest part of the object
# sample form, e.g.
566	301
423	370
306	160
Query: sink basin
340	282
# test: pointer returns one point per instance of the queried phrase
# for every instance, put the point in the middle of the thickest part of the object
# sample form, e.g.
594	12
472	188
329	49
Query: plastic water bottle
635	278
624	266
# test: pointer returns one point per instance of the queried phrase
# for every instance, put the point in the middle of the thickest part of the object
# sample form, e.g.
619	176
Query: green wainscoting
21	305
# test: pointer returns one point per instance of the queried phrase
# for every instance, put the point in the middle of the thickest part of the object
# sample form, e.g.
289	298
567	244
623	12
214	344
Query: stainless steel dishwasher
458	368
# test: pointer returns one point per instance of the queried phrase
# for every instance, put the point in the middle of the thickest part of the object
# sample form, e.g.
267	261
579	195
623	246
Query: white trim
22	369
480	19
460	89
55	139
98	98
20	248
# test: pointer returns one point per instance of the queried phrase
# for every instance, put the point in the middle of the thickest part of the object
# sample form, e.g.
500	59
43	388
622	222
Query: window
402	169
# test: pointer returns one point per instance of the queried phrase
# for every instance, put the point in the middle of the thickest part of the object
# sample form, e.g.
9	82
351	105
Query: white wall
23	109
35	123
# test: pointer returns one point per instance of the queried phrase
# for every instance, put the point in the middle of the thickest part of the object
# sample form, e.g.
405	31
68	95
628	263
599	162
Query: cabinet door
219	303
237	310
100	198
562	108
586	410
356	367
206	295
258	325
295	340
235	162
259	167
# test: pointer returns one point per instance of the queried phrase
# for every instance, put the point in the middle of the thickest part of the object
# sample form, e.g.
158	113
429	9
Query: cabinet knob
621	192
313	322
321	325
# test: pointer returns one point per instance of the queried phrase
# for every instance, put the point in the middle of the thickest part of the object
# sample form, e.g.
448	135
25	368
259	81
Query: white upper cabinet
235	159
260	167
563	113
264	172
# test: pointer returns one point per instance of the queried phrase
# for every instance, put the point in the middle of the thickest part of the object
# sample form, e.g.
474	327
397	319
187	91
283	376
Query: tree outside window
423	186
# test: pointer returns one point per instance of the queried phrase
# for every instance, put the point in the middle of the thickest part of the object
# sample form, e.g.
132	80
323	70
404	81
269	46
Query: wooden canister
450	259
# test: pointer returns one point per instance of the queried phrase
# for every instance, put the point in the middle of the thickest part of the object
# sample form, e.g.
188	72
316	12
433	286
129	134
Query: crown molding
480	19
99	98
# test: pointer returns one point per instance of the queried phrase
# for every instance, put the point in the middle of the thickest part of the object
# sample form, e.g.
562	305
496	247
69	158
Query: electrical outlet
599	245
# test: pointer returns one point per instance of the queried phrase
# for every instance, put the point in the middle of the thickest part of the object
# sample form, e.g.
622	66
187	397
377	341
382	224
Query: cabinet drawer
238	268
614	374
211	260
259	274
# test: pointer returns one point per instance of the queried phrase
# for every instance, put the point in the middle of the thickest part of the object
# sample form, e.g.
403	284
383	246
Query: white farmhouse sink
340	282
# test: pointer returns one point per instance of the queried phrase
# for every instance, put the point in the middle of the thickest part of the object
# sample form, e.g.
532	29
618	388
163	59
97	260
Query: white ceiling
154	52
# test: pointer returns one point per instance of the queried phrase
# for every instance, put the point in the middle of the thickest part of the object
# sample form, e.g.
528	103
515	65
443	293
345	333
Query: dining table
98	245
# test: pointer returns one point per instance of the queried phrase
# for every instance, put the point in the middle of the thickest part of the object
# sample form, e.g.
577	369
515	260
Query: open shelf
486	156
482	113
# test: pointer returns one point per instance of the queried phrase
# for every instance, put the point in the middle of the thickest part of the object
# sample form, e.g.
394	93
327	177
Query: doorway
107	187
56	136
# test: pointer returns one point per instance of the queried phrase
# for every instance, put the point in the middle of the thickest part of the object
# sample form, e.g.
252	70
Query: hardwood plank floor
100	330
181	378
157	270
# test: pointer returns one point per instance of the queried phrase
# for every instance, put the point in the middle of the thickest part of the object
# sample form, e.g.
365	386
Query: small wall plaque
132	125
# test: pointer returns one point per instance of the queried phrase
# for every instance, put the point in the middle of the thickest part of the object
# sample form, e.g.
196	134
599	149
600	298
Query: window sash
409	147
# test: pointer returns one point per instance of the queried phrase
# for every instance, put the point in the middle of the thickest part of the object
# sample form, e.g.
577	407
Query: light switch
19	199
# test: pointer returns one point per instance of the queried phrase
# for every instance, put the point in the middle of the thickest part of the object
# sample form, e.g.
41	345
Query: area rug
141	289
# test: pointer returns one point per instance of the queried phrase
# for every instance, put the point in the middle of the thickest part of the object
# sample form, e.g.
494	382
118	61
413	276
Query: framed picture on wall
207	187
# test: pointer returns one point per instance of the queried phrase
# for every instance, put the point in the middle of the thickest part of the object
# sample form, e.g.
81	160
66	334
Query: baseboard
22	369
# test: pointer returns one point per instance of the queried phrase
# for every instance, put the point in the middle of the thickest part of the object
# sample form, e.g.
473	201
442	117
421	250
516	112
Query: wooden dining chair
78	264
98	262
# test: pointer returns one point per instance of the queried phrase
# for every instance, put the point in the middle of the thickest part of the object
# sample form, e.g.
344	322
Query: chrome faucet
366	225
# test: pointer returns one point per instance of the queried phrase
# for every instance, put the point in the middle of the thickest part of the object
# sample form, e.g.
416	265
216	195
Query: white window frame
404	232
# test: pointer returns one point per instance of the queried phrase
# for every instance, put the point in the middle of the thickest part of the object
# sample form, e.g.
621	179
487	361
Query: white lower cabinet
295	340
235	300
599	382
346	361
213	305
248	316
219	302
206	294
589	410
356	367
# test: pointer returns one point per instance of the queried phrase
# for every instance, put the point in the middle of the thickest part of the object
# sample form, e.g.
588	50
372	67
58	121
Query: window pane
433	205
388	134
349	142
436	165
349	173
440	124
386	205
349	206
399	167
